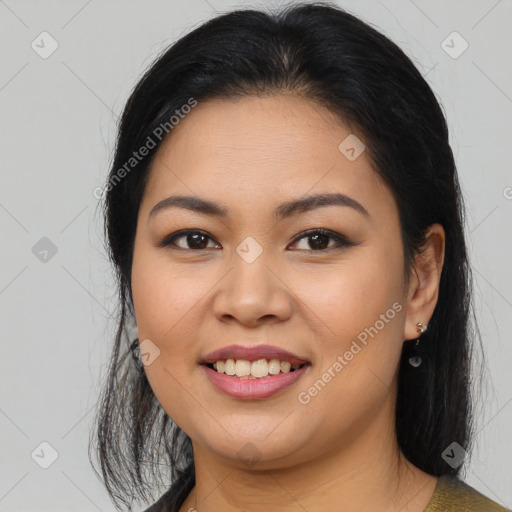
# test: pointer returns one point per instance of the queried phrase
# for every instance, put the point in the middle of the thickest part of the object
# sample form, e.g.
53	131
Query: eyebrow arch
283	211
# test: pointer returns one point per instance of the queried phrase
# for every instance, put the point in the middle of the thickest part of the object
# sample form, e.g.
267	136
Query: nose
253	294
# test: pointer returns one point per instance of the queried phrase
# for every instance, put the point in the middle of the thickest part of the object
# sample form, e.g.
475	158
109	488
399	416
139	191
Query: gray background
57	134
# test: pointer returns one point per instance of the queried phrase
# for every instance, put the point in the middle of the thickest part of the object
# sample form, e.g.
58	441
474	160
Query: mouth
253	372
248	387
253	353
258	369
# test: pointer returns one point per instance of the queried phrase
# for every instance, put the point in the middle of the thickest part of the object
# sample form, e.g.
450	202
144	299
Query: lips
257	389
252	354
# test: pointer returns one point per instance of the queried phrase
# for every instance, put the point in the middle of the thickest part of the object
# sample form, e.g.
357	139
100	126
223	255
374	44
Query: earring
415	358
135	348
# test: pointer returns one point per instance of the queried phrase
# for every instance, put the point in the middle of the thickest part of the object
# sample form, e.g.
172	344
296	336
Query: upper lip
252	354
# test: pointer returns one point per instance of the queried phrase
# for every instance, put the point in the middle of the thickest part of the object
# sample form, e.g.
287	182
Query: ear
424	281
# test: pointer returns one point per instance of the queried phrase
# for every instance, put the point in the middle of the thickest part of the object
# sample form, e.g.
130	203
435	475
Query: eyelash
341	241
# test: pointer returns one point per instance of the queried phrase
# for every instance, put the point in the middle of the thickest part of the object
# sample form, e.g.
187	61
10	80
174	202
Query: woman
285	220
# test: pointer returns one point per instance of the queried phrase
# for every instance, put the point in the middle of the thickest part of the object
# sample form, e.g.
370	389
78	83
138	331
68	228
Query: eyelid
341	240
168	240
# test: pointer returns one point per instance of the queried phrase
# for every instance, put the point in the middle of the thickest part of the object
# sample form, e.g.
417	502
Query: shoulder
176	495
453	495
162	505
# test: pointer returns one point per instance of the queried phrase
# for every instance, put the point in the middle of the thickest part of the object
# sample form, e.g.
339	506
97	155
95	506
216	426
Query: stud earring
135	349
415	358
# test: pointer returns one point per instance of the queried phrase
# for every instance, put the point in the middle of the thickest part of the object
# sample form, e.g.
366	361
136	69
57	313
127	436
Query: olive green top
453	495
450	495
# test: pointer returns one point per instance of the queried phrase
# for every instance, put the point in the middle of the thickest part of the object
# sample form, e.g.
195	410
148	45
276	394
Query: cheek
358	318
162	296
162	299
361	305
352	297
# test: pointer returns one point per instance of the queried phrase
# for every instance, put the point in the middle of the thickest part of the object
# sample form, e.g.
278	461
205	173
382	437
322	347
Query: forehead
255	126
251	149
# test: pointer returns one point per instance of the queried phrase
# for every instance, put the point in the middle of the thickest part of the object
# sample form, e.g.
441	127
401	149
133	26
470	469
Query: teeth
274	366
229	367
259	368
242	368
255	369
285	366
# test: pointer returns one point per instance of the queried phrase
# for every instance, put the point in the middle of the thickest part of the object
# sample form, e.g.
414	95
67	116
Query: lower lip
253	389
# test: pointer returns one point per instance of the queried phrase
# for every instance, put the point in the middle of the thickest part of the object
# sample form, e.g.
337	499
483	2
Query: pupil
194	238
318	244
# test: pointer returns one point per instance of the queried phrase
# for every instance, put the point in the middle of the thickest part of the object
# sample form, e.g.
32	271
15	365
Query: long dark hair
320	52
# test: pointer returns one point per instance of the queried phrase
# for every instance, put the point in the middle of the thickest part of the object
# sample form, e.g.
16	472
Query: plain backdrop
60	95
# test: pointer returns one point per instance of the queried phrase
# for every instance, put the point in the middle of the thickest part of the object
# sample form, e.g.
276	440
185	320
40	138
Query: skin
340	449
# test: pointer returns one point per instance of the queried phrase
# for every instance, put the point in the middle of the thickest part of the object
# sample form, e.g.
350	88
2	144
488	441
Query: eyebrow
283	211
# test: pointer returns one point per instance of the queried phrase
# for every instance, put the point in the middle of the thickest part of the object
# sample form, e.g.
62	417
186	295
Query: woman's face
252	277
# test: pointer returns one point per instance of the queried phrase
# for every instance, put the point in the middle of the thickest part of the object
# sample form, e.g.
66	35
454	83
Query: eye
195	239
319	240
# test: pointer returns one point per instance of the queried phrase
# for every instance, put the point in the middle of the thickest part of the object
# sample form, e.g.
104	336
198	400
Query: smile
249	387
